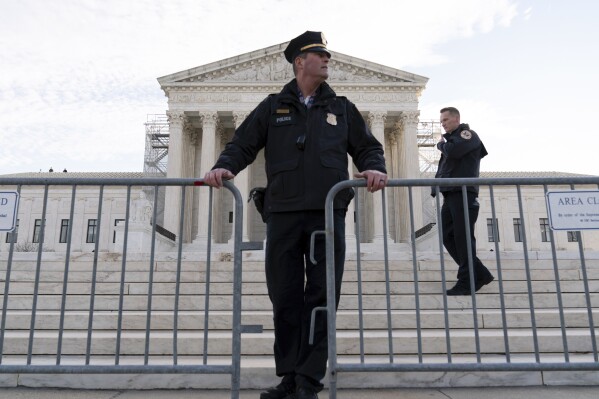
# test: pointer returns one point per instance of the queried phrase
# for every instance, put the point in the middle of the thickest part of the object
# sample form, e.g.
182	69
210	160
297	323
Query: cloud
78	77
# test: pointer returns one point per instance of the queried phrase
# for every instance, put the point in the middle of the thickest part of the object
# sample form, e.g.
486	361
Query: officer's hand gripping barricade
257	195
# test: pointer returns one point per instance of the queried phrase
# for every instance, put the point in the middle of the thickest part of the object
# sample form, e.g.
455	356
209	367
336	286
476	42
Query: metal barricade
112	347
458	321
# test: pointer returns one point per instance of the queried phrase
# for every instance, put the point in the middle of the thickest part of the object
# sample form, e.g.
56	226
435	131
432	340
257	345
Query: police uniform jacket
460	156
305	148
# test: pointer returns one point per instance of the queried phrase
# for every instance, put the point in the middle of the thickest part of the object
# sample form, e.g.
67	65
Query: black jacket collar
290	93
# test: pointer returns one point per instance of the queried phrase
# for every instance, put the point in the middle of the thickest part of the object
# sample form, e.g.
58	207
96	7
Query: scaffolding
428	156
156	153
157	141
156	158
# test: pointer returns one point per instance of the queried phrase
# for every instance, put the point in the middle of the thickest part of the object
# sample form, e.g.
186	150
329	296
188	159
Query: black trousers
454	234
295	287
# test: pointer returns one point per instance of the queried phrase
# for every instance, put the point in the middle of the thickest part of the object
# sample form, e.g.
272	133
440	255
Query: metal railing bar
587	295
38	268
387	277
467	367
178	277
429	182
237	291
65	280
128	369
506	341
415	269
359	273
92	295
471	271
7	284
443	279
207	285
151	279
528	276
119	330
331	298
558	291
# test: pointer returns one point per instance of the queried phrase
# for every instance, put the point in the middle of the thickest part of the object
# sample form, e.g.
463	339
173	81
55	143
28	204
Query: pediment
268	66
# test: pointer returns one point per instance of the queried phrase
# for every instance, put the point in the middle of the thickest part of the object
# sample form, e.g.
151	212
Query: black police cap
308	41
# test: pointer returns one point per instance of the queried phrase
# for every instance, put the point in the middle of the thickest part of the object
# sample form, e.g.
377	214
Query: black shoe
482	282
281	391
304	393
459	290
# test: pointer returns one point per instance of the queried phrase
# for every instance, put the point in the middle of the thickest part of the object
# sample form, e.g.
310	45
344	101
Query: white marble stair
257	348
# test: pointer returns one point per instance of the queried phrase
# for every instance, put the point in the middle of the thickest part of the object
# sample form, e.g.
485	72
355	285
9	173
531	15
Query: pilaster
392	158
208	156
175	169
376	120
190	141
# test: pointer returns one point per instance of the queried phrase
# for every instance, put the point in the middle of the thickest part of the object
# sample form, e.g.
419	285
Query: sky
79	77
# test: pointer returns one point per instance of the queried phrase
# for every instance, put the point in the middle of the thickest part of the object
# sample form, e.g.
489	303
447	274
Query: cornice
275	88
269	65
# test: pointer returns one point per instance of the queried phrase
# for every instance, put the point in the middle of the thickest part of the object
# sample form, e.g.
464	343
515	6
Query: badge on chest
332	119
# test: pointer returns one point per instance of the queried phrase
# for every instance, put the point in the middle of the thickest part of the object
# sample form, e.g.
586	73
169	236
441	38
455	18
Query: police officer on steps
307	132
461	152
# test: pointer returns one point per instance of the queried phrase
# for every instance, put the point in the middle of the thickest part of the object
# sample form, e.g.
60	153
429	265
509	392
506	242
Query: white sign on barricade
573	210
9	201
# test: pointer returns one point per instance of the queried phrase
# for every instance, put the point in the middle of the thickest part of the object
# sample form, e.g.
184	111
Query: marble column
208	157
190	141
409	168
172	198
242	182
377	126
392	158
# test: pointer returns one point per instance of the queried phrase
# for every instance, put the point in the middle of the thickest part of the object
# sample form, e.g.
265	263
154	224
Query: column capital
209	119
176	118
376	118
409	117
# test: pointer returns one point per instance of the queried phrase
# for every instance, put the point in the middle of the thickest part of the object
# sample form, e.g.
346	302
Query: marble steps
76	265
376	342
258	372
217	276
346	319
259	288
484	299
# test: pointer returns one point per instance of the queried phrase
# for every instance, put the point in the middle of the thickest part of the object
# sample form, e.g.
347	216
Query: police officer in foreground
461	152
307	132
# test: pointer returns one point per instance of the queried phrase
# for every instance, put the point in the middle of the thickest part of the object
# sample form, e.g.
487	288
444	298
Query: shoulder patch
466	134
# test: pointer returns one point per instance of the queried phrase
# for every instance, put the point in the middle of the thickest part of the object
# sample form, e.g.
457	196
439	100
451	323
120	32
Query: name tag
283	119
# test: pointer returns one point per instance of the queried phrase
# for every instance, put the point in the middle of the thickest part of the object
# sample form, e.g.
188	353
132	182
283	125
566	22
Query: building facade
207	103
